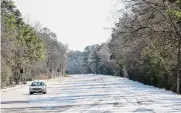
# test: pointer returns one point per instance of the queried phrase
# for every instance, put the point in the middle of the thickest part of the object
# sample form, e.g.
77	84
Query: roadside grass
40	77
66	75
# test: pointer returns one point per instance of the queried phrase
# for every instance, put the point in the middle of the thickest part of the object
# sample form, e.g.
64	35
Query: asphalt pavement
91	94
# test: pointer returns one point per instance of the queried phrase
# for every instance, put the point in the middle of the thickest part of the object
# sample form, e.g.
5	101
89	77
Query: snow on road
92	94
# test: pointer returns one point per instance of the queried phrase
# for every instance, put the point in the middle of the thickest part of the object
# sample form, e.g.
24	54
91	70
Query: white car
38	87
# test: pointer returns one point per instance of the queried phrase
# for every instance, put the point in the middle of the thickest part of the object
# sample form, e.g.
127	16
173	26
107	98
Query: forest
145	46
28	52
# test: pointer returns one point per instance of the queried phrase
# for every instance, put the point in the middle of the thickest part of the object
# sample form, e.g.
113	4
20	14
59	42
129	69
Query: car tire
31	93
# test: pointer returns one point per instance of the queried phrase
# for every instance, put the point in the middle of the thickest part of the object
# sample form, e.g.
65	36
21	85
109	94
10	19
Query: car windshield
37	84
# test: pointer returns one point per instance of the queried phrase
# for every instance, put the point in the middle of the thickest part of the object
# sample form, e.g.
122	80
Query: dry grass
42	77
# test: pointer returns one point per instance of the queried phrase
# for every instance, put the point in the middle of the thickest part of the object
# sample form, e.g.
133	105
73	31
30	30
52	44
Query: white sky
78	23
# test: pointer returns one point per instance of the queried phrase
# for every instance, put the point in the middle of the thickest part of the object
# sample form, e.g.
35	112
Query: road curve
92	94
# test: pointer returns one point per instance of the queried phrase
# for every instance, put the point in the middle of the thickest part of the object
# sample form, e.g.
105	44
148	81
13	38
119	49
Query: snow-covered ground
92	94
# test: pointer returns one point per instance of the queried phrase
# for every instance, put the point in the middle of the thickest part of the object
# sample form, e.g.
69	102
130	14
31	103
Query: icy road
92	94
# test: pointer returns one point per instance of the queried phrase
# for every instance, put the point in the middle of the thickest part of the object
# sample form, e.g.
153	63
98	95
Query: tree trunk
178	66
25	74
62	68
125	72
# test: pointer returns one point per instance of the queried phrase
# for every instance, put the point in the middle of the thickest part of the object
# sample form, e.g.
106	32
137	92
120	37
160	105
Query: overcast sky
78	23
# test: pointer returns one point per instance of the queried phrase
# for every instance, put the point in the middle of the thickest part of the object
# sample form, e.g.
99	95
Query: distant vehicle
38	87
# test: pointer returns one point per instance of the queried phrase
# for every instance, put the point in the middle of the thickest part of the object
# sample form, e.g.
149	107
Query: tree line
27	51
94	59
145	45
